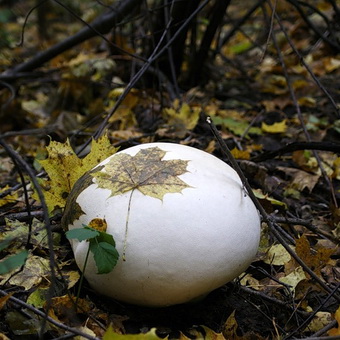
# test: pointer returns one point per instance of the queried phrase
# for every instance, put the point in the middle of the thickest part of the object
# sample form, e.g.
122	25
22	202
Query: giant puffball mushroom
181	219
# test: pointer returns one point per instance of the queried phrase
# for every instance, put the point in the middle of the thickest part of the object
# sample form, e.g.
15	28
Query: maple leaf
182	115
278	127
315	261
146	172
64	168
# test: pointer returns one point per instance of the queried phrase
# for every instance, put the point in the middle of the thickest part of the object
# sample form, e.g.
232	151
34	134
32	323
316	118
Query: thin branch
40	193
143	69
266	218
295	146
311	316
48	318
102	25
298	109
309	70
330	42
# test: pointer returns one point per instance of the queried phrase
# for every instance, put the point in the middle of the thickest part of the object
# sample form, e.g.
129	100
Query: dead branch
295	146
266	218
38	312
102	25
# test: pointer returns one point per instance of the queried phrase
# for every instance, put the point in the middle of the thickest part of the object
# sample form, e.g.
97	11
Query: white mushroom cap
177	248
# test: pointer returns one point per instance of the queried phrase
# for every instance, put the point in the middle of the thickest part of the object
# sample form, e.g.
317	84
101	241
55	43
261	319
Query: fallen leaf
35	270
278	127
230	327
206	333
124	116
38	297
300	179
64	168
4	299
183	115
277	255
4	337
240	154
111	335
307	101
85	330
19	231
11	197
335	331
146	172
320	320
261	196
67	306
237	126
294	278
315	261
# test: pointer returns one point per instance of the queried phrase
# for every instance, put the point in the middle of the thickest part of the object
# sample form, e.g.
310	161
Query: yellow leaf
124	115
278	127
336	165
315	261
98	224
100	150
183	115
320	320
240	154
35	270
111	335
335	331
10	198
307	101
85	330
331	64
294	278
64	168
4	337
265	197
4	299
230	327
277	255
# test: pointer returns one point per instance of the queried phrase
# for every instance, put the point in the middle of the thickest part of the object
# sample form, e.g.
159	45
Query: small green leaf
105	237
105	255
82	234
13	261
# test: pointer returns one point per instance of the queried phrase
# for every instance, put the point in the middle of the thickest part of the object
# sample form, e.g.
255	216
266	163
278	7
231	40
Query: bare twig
103	24
156	53
311	316
297	106
22	163
266	218
309	70
48	318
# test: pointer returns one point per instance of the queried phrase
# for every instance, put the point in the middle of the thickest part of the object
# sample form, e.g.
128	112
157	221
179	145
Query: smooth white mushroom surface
181	219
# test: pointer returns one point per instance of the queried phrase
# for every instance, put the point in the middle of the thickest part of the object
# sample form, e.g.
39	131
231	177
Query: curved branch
295	146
